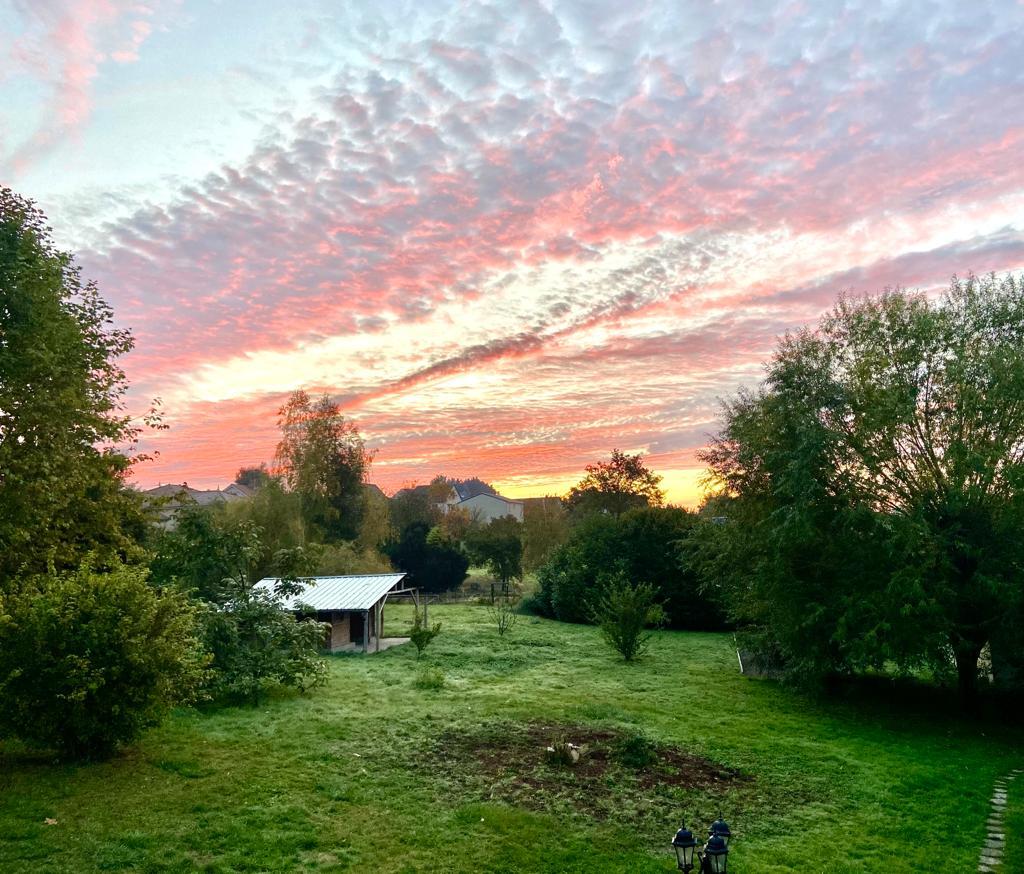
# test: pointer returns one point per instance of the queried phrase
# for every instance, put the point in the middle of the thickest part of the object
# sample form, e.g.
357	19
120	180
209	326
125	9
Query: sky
506	237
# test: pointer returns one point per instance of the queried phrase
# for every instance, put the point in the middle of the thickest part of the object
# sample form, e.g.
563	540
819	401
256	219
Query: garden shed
353	606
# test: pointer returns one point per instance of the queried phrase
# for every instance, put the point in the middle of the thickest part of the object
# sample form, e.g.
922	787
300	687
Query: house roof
350	592
501	498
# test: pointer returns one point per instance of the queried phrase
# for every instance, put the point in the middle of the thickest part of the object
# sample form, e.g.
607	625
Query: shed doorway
356	624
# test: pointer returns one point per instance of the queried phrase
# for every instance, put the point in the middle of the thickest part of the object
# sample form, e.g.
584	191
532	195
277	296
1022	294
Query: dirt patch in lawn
616	774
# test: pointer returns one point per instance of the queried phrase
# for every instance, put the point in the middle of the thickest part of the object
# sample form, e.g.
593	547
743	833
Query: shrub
504	616
89	660
430	679
635	750
256	644
623	612
421	634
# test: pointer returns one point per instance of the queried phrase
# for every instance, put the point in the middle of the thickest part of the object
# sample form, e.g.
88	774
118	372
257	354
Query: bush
635	750
421	634
89	660
256	644
430	679
623	612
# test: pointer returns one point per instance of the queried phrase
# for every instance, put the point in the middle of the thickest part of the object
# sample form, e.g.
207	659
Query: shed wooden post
378	623
366	631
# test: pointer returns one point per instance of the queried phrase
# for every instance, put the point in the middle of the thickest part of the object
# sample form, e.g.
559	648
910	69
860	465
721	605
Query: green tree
375	529
62	491
643	545
875	483
207	555
499	546
432	561
545	528
622	483
412	504
88	660
322	458
254	477
623	612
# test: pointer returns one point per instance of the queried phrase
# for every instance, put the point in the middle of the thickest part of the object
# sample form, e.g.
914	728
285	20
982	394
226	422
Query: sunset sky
507	236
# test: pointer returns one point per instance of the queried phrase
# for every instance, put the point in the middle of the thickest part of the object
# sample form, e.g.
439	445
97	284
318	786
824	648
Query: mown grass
345	778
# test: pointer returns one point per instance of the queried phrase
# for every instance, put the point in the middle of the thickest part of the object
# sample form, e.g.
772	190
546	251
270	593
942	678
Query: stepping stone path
992	849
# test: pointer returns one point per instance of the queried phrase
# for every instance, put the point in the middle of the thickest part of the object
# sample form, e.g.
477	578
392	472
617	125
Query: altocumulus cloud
511	236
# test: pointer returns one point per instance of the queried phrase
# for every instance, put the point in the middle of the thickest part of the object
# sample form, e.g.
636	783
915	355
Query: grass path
345	779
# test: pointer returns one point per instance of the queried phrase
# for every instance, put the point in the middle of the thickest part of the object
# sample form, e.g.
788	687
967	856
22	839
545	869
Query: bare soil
510	762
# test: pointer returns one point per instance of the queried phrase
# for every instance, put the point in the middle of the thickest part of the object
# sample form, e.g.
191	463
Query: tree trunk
967	671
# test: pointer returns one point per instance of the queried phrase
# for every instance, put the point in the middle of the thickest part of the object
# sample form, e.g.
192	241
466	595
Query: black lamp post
684	845
715	857
721	828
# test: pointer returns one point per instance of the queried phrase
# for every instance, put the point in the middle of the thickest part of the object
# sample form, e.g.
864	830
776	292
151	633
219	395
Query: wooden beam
366	631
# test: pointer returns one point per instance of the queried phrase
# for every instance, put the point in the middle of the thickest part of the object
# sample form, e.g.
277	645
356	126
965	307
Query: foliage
636	750
545	528
256	643
645	545
88	660
322	458
421	634
430	679
375	528
622	611
206	554
622	483
413	505
347	558
499	546
875	484
254	477
276	514
62	492
504	615
432	561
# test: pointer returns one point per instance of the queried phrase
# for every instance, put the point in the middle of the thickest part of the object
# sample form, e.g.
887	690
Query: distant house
353	606
483	506
171	497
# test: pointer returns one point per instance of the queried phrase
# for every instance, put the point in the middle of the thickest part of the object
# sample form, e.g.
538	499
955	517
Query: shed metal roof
350	592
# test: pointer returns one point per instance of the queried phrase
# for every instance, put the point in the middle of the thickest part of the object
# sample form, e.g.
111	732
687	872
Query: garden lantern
684	845
721	828
716	855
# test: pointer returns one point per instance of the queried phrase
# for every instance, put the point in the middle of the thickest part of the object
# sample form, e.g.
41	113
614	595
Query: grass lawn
379	772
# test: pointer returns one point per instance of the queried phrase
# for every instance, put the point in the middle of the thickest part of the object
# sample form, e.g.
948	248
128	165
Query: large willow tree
876	485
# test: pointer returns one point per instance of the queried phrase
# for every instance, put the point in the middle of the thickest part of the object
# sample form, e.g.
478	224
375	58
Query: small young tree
89	660
623	612
422	634
503	614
